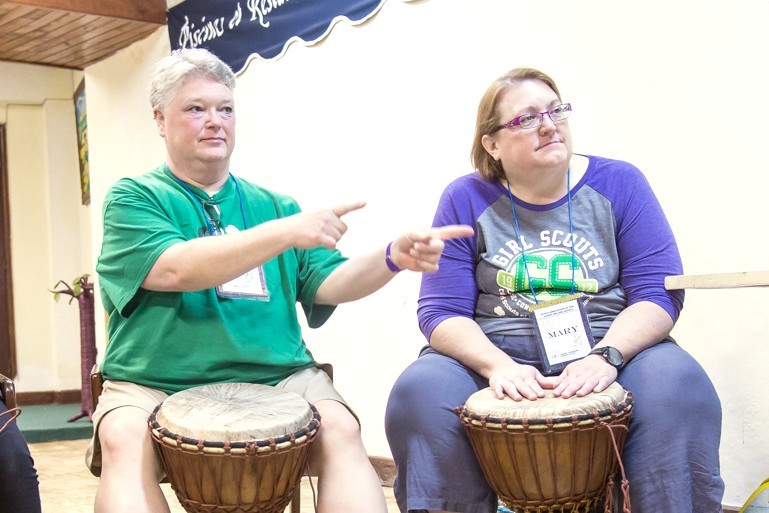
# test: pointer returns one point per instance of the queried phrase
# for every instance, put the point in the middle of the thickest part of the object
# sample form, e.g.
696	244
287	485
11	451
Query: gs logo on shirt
549	271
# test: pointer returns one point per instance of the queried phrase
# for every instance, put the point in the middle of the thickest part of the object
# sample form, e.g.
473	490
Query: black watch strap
612	355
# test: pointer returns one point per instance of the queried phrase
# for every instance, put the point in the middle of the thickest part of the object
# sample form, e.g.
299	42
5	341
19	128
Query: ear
160	120
490	145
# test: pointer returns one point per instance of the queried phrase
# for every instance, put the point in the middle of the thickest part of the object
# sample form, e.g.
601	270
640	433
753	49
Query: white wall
50	229
385	112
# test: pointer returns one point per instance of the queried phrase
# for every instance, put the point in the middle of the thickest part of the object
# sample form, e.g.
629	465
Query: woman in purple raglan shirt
533	200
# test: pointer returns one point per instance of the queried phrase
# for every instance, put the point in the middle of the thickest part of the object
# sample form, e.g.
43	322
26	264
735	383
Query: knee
433	382
122	430
339	438
666	380
126	445
338	425
15	459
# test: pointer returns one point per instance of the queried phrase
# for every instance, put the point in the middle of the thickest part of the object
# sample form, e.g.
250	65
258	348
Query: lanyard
522	244
206	215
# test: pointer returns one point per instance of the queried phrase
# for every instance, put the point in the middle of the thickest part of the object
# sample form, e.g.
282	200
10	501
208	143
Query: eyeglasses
213	216
534	119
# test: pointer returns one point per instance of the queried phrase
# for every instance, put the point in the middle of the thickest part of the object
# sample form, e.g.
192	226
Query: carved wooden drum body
552	454
234	447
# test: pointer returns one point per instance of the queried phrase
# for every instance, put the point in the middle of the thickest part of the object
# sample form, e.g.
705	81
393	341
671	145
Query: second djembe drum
552	454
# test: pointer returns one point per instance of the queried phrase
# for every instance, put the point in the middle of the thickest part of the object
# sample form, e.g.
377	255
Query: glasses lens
214	215
530	120
212	210
560	112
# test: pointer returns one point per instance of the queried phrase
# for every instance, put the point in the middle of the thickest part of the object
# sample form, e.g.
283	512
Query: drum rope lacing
251	447
312	486
625	484
13	413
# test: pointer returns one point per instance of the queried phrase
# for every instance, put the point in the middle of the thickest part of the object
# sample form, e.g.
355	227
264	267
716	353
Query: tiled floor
66	486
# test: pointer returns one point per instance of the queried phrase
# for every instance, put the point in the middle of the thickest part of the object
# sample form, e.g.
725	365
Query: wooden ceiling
74	33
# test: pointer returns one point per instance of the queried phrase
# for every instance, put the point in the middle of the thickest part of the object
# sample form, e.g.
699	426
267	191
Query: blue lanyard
210	225
522	244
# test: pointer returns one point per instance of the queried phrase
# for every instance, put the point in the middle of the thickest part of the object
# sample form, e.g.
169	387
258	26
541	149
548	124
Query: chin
215	156
557	159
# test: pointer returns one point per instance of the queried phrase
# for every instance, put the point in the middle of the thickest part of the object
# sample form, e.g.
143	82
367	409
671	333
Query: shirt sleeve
646	245
315	266
137	230
452	290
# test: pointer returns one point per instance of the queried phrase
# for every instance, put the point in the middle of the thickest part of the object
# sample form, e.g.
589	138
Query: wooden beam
148	11
718	281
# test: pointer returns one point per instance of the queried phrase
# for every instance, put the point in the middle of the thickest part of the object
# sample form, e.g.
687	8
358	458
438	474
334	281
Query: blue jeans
19	488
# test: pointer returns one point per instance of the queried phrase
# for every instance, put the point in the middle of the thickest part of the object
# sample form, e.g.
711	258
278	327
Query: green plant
79	285
81	289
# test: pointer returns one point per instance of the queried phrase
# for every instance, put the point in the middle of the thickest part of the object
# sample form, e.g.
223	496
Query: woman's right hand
519	381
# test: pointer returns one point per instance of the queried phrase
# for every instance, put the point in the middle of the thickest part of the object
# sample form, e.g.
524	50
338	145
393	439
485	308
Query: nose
212	119
547	124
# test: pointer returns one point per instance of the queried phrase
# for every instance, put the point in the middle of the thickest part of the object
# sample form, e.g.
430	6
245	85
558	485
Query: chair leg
97	382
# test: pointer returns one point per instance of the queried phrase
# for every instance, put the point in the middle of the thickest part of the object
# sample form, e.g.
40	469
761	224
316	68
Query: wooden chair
7	392
97	381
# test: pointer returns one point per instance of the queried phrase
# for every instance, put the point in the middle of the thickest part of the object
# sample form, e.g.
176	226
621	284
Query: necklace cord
206	216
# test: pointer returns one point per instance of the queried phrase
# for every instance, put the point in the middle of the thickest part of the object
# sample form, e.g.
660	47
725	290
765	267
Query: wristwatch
612	355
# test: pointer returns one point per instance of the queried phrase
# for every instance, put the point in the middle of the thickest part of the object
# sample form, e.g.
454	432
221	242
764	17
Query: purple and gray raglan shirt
622	248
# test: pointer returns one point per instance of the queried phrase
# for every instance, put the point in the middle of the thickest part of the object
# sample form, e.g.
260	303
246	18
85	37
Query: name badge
250	285
563	332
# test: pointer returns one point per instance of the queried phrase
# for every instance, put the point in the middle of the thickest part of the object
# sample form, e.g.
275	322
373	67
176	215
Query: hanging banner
238	30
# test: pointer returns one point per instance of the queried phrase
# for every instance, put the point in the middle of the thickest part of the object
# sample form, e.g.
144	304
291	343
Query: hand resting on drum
519	381
581	377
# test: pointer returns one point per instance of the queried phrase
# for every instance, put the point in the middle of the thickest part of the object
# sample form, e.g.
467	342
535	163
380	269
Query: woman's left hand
420	251
589	374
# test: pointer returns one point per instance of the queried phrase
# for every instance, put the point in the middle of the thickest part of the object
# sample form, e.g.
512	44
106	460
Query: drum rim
162	433
619	409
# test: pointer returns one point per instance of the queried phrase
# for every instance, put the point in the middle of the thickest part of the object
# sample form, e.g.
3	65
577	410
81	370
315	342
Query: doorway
7	338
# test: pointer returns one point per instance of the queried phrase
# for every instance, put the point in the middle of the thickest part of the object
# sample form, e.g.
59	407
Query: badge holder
250	285
563	332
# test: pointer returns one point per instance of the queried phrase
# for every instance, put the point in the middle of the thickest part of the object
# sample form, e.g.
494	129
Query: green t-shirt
176	340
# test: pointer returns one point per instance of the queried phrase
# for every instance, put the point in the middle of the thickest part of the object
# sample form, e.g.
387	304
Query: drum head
485	402
234	412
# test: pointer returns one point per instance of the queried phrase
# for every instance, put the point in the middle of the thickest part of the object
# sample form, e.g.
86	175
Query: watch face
613	356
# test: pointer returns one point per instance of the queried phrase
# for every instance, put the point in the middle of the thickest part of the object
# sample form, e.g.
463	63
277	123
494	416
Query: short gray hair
173	71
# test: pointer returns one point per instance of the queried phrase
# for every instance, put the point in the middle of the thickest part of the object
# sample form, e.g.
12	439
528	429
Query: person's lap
674	400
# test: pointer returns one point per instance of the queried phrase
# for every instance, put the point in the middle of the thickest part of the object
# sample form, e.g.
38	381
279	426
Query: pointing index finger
453	231
341	210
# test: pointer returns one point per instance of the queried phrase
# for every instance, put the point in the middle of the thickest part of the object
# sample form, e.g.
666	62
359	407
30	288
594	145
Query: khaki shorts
312	384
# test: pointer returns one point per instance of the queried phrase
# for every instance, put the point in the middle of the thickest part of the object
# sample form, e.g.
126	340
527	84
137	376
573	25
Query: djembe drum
234	447
552	454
